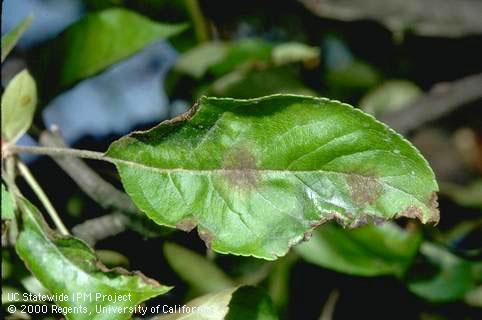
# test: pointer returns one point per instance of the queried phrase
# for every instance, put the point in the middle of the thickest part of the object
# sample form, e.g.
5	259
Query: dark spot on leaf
433	206
239	167
187	224
206	236
364	189
25	101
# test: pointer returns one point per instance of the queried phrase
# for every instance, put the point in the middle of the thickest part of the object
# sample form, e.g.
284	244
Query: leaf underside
255	176
67	266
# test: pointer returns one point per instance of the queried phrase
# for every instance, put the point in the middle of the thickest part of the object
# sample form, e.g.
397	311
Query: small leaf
453	278
8	208
367	251
467	196
390	96
10	39
99	40
66	265
230	304
295	52
197	61
18	106
201	274
256	175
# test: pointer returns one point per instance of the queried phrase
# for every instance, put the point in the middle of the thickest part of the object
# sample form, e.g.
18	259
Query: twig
198	20
329	307
96	229
29	178
443	99
59	152
87	179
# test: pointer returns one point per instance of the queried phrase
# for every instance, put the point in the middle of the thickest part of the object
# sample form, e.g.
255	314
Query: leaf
255	175
18	106
251	83
10	39
201	274
290	52
390	96
230	304
452	279
8	208
99	40
66	265
467	196
197	61
367	251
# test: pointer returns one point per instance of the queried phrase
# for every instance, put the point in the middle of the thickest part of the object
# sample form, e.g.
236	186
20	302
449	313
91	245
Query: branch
87	179
440	101
96	229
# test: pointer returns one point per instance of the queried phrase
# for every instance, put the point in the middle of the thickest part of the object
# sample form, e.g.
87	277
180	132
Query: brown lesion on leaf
187	224
25	100
433	207
123	272
364	189
239	167
206	236
185	116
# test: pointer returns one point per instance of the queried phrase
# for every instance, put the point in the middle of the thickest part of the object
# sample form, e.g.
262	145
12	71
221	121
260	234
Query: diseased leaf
99	40
230	304
452	278
256	175
10	39
201	274
367	251
66	265
8	209
18	106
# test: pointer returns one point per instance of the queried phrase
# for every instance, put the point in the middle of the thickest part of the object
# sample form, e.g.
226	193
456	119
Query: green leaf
200	273
230	304
99	40
18	106
10	39
295	52
8	208
251	83
390	96
452	279
467	196
198	60
367	251
255	175
66	265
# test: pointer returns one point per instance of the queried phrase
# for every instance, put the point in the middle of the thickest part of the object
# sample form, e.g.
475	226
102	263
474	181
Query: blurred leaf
390	96
366	251
253	83
231	304
8	207
18	106
10	39
474	297
112	259
279	280
73	268
242	52
453	277
200	273
352	79
467	196
290	52
99	40
7	292
197	61
428	17
255	175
